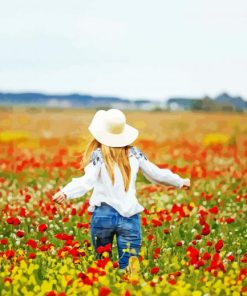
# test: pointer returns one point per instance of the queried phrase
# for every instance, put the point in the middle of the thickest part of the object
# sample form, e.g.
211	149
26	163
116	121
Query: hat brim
125	138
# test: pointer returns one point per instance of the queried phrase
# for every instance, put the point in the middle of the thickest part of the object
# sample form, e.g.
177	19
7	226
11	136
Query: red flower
157	250
73	211
230	257
150	237
216	264
154	270
84	225
14	221
104	291
209	243
32	243
63	236
115	264
219	245
43	239
87	243
229	220
206	256
206	229
178	244
7	279
31	256
52	293
42	227
244	258
166	231
242	274
3	241
199	264
214	210
178	208
156	256
102	262
27	198
20	233
9	254
172	281
144	221
156	222
106	248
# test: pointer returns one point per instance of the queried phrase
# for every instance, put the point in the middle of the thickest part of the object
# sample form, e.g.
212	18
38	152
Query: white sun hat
110	128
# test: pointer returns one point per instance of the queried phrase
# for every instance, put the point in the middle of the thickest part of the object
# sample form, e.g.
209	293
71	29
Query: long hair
111	155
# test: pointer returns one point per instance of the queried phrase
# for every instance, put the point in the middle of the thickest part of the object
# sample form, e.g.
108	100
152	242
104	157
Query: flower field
193	242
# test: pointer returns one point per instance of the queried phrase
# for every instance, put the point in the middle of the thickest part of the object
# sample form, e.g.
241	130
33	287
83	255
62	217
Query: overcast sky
132	48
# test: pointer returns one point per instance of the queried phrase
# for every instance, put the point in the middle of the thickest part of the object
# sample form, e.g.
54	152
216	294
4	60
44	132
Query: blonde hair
111	155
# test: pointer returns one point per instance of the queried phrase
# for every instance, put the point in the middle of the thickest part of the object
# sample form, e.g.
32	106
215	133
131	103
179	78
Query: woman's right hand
186	184
59	197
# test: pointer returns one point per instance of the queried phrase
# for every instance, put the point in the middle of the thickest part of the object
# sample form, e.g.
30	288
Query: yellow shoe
134	270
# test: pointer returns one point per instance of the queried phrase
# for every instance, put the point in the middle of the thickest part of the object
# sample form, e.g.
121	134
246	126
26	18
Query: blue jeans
106	222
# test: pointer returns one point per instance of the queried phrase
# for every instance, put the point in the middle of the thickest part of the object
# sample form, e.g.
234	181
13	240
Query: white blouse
96	177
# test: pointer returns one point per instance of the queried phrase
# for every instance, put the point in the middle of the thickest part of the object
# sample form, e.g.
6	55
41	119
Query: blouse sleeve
80	185
155	174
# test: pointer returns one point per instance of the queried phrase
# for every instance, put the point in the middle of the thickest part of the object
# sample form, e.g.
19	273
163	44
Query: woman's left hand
59	197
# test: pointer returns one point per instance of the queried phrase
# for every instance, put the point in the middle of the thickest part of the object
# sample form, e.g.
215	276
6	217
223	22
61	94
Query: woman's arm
158	175
78	186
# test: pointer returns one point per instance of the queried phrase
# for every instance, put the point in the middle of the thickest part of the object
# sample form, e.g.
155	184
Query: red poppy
14	221
219	245
144	221
73	211
27	198
32	243
229	220
3	241
43	239
20	233
193	253
166	231
115	264
9	254
156	222
230	257
157	250
106	248
244	258
214	210
31	256
205	229
154	270
63	236
156	256
42	227
206	256
7	279
104	291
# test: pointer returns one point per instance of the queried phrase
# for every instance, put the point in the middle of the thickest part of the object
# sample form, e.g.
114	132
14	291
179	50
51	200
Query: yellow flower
196	293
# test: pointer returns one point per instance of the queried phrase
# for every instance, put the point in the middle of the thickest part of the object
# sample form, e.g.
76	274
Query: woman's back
96	176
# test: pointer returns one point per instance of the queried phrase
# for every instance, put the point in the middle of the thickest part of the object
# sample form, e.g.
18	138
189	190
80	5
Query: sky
138	49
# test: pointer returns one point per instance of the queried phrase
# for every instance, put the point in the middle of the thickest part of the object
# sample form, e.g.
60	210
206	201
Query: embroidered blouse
96	177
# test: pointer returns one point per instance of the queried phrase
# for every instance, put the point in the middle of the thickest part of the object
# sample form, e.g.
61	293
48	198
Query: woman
111	165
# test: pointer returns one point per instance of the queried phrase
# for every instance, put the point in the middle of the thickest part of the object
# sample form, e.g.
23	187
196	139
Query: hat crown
110	128
115	121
